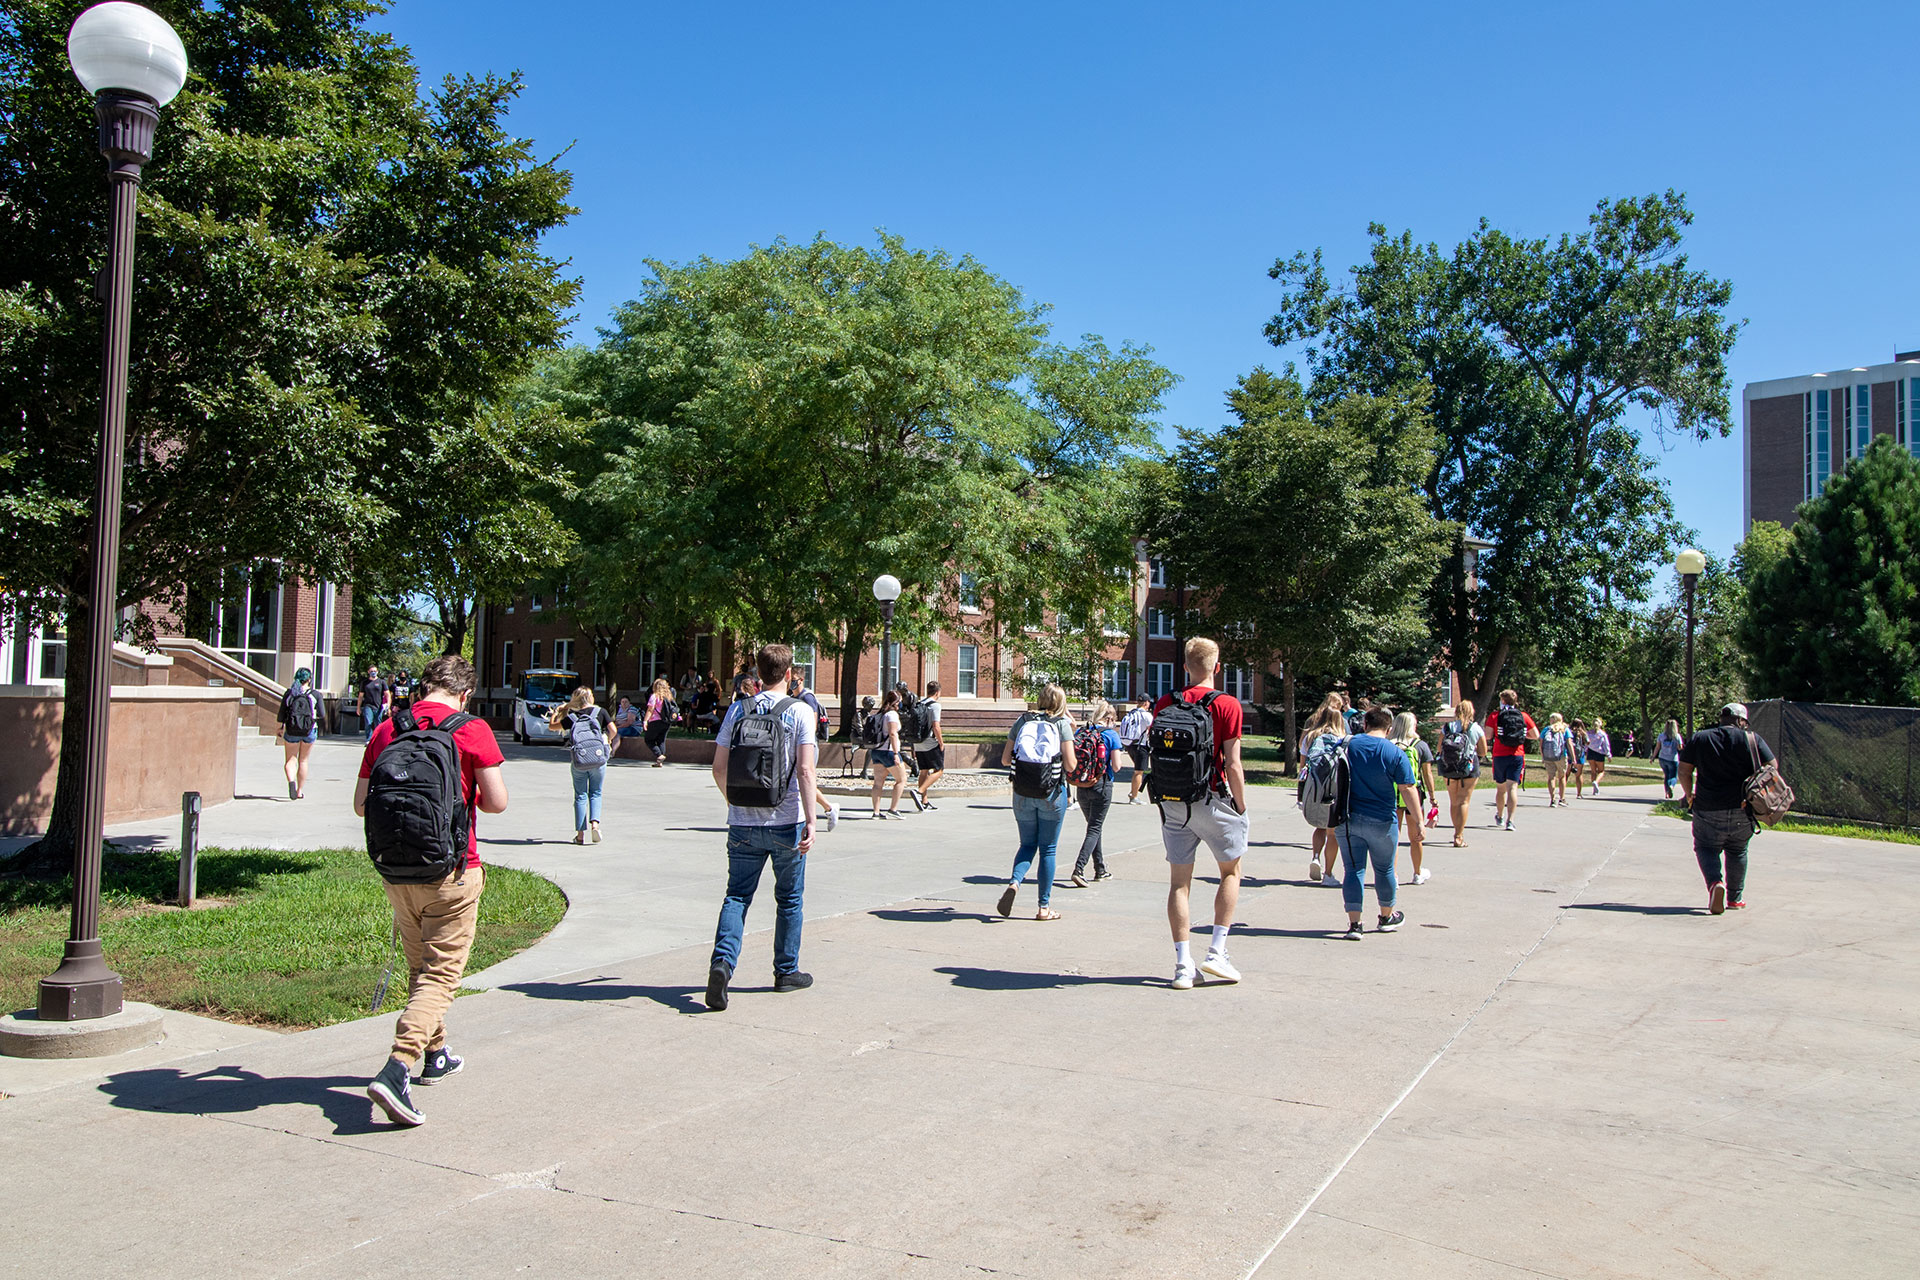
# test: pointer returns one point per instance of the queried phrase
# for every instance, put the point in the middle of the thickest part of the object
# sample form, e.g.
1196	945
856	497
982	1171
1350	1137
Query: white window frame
966	680
325	602
968	594
534	605
1156	571
246	653
506	664
653	664
533	654
1159	679
1237	682
563	654
1159	623
804	657
1116	679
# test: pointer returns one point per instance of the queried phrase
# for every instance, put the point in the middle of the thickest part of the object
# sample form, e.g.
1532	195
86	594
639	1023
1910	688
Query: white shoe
595	830
1183	977
833	816
1421	878
1313	872
1216	965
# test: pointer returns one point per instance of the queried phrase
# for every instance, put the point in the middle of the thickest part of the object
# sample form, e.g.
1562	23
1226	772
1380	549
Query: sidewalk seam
1440	1053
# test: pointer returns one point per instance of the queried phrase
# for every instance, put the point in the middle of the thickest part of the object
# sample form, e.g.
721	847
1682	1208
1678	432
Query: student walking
1714	767
1198	781
1599	751
764	762
1040	753
1406	736
1512	729
299	729
797	688
1096	750
375	696
1133	736
1556	756
589	733
930	744
1325	731
1462	743
1667	749
425	844
1380	785
658	719
886	756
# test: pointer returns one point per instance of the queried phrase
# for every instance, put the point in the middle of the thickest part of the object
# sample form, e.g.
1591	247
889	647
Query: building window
1862	434
803	658
703	654
1906	402
506	664
1817	411
1159	679
246	619
533	653
653	665
1237	682
1159	623
969	594
1156	572
563	655
534	605
1116	679
53	654
323	602
966	682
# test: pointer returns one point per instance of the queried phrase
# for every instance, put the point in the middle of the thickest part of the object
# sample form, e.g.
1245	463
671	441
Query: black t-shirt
598	715
1722	763
374	692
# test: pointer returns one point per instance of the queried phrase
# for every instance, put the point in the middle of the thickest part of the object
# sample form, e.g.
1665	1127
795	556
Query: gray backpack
760	756
588	743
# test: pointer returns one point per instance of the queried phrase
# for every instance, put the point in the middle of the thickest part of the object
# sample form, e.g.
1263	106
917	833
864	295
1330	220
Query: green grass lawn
300	940
1814	826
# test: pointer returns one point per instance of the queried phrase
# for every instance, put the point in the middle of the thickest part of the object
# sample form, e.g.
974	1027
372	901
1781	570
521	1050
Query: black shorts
1137	752
935	759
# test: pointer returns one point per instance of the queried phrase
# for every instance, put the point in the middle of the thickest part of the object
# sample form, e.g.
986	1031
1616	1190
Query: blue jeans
586	795
369	717
748	849
1669	772
1039	822
1362	839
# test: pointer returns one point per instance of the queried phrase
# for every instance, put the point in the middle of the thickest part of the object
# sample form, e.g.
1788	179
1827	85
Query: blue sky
1140	167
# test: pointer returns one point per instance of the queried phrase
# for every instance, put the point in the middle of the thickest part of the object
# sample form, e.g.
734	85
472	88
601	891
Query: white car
541	691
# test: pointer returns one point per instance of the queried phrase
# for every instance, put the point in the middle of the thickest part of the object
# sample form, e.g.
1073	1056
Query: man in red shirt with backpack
1197	780
1509	731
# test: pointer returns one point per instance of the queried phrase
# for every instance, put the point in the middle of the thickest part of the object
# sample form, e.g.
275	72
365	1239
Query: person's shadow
679	999
235	1091
1013	980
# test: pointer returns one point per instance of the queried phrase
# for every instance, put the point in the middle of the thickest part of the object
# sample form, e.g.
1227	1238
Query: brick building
973	664
1798	431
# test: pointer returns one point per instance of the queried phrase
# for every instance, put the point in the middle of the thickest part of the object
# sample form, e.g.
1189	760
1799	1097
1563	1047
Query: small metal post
189	847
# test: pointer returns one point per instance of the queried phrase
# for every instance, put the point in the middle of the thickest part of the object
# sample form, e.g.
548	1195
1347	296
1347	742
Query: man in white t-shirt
930	752
755	834
1133	736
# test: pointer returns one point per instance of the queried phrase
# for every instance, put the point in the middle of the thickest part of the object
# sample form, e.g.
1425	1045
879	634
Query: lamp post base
82	987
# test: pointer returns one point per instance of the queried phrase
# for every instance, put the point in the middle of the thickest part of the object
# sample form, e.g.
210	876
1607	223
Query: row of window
1837	427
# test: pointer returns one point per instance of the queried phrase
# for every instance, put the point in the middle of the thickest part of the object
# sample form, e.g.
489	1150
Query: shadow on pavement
1634	907
1255	931
233	1091
713	831
680	999
930	915
1011	980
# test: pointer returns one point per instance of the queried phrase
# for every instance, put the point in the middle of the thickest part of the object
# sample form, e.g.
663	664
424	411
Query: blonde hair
1328	719
1100	712
1557	718
1051	699
1598	723
660	685
1463	710
1405	728
581	700
1202	656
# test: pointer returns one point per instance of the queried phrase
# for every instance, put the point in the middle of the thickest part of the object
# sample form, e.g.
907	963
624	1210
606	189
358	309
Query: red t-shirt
478	750
1502	749
1227	720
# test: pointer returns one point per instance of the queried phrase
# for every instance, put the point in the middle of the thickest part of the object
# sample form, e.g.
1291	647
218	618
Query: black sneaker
1355	931
918	803
390	1093
795	981
438	1065
1389	923
293	791
717	979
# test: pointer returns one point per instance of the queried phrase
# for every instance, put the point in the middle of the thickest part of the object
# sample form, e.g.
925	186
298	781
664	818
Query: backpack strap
404	722
1206	700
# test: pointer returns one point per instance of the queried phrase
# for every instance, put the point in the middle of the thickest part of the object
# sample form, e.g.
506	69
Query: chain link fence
1855	763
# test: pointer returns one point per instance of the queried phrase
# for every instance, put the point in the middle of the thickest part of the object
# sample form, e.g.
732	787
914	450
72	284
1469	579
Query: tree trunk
850	655
454	619
1287	748
1483	693
53	852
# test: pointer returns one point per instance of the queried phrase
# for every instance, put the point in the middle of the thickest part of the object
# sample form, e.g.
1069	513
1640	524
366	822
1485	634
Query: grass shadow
131	875
679	999
224	1091
1013	980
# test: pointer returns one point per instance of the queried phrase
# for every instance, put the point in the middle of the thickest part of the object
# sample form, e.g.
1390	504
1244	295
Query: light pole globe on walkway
133	63
1689	564
886	589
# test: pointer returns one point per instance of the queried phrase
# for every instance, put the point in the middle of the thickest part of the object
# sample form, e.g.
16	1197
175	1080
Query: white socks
1183	954
1219	947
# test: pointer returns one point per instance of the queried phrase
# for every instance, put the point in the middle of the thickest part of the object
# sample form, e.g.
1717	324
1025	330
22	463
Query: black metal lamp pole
83	986
886	648
1688	581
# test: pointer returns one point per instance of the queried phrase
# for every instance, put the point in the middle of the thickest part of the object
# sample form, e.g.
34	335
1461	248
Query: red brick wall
1776	457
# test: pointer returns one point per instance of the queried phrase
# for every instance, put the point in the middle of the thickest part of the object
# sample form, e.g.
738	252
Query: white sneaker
1313	872
1421	878
1216	965
833	816
1183	977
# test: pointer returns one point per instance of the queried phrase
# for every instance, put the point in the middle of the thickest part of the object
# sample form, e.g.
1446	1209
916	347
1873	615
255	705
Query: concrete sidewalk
1561	1067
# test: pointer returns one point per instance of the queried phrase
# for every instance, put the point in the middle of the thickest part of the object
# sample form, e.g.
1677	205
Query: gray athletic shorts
1213	823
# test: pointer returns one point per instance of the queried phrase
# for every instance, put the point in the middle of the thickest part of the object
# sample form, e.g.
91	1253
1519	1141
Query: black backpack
1510	726
1035	779
873	730
760	757
1180	751
299	713
922	720
417	815
1457	758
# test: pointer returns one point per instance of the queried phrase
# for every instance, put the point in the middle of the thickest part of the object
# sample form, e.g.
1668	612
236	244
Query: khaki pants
436	923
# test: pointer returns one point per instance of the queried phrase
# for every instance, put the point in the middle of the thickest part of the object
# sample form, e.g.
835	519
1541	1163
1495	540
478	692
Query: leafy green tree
328	269
1302	527
780	429
1836	618
1535	351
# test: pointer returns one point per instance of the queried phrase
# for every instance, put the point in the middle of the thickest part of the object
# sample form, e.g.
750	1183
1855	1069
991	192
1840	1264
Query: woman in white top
886	760
1325	732
1668	751
1042	738
1460	787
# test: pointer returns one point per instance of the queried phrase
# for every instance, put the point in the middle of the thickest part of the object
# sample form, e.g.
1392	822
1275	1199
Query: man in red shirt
1509	729
1219	820
436	921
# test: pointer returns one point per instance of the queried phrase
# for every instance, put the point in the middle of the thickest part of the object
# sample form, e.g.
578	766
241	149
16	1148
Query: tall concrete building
1799	431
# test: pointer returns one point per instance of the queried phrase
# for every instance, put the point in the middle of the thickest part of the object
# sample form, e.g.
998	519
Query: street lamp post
886	589
1690	564
133	64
